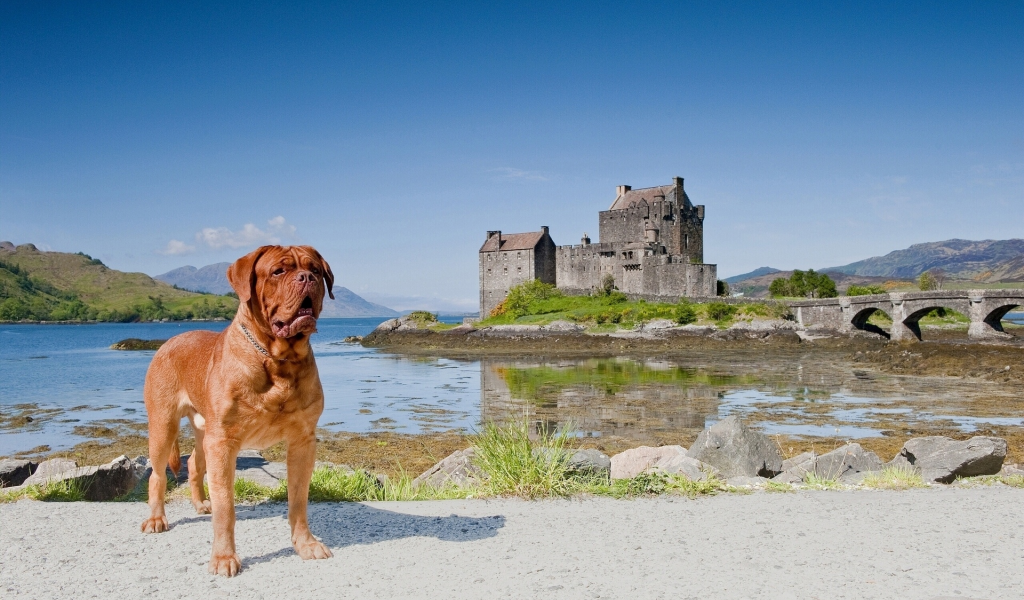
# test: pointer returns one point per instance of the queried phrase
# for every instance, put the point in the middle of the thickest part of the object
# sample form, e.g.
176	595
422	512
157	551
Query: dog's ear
242	273
328	274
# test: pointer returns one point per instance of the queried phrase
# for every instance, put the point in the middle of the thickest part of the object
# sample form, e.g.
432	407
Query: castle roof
661	193
512	241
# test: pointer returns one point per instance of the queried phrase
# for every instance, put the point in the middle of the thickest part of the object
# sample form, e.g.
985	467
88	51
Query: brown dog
250	386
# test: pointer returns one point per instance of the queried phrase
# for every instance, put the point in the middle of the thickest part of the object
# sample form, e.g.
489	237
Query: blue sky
391	136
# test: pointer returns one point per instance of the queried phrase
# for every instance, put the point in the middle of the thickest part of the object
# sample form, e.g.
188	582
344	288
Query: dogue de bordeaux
250	386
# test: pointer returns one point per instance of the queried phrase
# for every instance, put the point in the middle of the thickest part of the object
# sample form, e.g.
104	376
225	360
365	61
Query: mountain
214	279
985	261
211	278
755	273
59	286
347	304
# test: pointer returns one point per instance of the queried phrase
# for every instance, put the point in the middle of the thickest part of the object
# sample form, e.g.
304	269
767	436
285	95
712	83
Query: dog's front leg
301	458
220	463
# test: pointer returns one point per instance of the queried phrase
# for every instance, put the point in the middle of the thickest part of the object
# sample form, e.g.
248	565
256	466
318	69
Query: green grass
777	487
535	303
1016	481
68	490
818	482
894	477
517	466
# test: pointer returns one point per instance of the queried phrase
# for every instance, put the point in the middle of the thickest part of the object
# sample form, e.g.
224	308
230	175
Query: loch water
54	379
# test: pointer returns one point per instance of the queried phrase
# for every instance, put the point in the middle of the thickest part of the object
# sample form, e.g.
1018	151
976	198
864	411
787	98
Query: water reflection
659	401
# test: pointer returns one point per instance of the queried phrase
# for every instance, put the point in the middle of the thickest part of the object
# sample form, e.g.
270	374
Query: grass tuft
778	487
894	477
1016	481
818	482
515	466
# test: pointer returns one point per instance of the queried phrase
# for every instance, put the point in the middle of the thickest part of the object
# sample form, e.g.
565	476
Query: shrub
514	467
685	313
608	284
804	284
520	297
720	311
722	288
865	290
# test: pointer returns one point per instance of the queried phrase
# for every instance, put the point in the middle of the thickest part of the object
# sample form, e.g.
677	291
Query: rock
562	326
352	339
49	469
734	449
803	457
102	483
795	469
590	462
464	329
847	464
1012	471
765	325
943	459
632	462
680	464
251	465
388	326
15	472
137	344
457	468
656	324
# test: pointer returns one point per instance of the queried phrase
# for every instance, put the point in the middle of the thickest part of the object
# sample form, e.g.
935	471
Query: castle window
519	254
488	271
686	241
519	269
505	271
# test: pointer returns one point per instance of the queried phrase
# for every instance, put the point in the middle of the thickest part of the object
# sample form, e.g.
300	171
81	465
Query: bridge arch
860	320
994	318
912	320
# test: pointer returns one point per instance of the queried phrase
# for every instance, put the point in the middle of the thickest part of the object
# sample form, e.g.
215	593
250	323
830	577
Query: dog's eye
278	272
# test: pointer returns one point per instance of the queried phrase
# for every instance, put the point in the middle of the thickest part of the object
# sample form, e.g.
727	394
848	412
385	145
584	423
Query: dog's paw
227	565
155	525
202	508
311	548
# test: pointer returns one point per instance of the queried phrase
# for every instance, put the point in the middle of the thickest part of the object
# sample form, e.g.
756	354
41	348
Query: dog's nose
305	277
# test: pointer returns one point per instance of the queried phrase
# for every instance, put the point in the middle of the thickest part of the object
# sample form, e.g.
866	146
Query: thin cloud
216	238
520	174
176	248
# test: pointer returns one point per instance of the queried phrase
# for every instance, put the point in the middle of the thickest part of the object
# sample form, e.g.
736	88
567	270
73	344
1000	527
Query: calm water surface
65	376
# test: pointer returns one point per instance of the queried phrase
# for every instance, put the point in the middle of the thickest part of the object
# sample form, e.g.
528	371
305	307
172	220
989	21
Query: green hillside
58	286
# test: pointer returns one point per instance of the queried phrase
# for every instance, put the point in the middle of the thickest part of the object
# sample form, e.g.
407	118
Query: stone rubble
942	459
735	449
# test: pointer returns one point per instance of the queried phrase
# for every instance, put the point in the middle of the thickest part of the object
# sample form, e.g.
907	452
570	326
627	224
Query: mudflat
934	543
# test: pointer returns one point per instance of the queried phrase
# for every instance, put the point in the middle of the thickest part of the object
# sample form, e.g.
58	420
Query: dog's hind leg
163	440
197	466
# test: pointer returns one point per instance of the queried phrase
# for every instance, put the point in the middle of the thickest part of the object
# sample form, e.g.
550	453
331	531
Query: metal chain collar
255	344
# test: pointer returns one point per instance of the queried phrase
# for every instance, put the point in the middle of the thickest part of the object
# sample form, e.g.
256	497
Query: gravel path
956	543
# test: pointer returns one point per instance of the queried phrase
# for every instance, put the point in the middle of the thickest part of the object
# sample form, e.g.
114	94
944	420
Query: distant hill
211	278
985	261
347	304
60	286
755	273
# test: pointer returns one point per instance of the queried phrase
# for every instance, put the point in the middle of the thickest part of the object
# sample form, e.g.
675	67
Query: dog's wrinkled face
286	285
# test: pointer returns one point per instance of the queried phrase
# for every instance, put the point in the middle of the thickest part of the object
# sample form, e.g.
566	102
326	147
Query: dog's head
285	285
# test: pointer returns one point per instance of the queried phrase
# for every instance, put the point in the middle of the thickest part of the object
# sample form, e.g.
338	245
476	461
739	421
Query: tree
926	282
723	288
803	284
939	275
607	284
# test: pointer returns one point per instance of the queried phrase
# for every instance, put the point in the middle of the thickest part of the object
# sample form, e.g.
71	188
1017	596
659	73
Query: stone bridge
986	308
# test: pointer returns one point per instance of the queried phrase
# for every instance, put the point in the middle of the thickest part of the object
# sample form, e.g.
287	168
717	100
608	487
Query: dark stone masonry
651	243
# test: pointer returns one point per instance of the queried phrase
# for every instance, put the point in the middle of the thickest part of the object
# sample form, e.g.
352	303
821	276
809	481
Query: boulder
590	462
847	464
102	483
457	468
15	472
795	469
632	462
680	464
803	457
734	449
251	465
943	459
388	326
1012	471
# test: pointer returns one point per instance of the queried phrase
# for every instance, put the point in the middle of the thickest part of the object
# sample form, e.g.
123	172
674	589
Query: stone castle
651	243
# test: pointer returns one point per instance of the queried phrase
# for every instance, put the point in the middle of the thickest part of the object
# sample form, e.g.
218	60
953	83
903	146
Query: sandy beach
934	543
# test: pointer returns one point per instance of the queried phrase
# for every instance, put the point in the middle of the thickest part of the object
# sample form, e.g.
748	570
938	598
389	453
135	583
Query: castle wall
499	271
582	268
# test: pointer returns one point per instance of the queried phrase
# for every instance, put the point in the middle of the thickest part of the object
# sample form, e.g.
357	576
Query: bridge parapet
985	308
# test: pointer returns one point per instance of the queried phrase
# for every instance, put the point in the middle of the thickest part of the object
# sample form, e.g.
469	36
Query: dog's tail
174	462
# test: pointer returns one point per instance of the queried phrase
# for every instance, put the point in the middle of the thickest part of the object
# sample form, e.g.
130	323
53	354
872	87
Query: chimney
622	189
491	234
678	181
586	239
544	229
